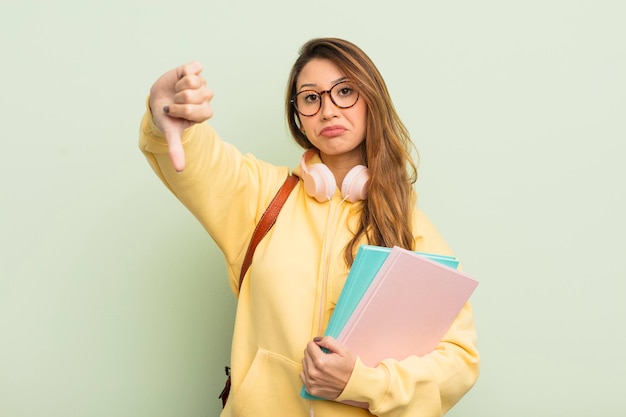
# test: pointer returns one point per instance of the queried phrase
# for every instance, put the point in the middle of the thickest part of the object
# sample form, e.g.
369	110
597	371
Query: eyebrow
309	85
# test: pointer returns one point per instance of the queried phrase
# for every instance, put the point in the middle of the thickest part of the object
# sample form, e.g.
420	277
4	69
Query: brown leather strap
267	221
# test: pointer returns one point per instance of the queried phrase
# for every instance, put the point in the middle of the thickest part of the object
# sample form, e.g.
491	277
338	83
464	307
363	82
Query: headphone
319	181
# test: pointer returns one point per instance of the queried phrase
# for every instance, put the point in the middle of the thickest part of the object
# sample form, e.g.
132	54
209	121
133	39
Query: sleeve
426	386
224	189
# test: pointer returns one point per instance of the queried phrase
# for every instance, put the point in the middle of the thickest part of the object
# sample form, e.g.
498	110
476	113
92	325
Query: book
407	309
367	262
397	303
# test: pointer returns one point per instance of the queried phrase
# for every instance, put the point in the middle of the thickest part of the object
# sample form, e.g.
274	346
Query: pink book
407	309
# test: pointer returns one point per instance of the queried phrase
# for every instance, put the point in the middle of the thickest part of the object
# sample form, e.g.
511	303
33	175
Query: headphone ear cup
355	184
322	182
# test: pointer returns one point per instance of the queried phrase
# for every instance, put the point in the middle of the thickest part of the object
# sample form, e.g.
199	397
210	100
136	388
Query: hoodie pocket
270	388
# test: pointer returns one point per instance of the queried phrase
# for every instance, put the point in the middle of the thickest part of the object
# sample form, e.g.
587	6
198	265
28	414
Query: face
337	132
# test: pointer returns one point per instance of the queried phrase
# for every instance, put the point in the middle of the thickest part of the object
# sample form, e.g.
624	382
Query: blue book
367	262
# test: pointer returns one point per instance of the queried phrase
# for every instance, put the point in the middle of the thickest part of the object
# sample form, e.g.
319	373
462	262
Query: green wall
113	301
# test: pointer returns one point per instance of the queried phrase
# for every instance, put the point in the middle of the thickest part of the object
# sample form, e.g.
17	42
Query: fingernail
317	339
166	109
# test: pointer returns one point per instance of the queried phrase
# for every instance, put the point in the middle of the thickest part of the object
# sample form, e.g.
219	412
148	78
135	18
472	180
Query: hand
179	99
325	375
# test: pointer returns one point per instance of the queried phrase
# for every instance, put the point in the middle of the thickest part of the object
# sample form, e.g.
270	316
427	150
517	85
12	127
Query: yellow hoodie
292	286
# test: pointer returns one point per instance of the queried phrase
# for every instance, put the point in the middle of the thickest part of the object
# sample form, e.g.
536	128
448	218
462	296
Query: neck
340	165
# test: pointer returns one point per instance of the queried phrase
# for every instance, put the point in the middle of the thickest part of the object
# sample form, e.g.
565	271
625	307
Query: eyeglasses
344	95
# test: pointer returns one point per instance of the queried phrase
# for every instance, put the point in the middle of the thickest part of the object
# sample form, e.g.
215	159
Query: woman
356	186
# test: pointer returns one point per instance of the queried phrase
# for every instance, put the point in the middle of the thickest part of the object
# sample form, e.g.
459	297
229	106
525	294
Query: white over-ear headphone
319	181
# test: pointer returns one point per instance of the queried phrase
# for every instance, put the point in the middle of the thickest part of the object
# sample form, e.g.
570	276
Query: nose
328	107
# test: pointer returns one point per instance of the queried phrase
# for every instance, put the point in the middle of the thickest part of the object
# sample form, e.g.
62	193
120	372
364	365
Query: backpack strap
267	221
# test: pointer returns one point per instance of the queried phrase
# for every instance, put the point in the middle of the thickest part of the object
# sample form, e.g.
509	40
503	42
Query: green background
113	300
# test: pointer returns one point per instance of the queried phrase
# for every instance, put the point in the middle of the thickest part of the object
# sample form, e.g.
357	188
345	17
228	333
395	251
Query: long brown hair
386	217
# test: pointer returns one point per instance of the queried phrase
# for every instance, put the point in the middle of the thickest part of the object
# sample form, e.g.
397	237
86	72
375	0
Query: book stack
396	303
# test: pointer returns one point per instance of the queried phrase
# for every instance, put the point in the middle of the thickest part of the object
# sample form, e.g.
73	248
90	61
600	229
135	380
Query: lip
332	131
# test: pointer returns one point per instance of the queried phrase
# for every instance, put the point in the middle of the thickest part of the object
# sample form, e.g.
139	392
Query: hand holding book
396	303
